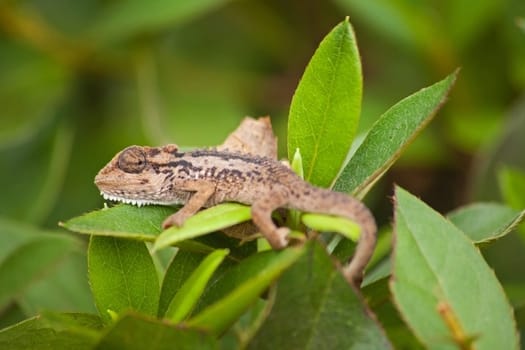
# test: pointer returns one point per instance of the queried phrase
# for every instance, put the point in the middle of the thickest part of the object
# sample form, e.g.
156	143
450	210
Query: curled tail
323	201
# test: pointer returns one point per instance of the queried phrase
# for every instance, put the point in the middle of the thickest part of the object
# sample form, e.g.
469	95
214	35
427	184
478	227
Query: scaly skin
203	178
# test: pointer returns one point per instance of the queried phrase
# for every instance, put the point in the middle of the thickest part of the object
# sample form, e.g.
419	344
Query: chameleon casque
203	178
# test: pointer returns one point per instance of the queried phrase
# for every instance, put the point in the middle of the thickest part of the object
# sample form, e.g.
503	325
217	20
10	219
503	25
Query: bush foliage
117	281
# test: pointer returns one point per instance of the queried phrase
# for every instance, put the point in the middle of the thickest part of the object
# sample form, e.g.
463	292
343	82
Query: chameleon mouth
138	202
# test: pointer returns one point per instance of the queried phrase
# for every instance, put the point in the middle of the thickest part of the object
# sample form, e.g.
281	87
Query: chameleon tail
327	202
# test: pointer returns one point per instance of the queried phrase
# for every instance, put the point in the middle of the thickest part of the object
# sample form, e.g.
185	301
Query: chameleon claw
166	224
174	220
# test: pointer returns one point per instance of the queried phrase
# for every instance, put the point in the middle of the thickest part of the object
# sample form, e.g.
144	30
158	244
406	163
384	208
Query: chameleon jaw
137	202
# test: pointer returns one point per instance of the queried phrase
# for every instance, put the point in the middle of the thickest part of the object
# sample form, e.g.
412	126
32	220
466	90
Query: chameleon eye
132	160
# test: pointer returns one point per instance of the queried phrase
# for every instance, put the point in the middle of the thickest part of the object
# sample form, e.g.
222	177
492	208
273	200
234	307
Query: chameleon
143	175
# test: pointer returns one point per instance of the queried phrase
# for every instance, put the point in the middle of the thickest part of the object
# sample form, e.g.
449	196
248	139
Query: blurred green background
81	80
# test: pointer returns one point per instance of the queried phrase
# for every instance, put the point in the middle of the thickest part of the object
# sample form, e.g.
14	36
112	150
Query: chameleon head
134	176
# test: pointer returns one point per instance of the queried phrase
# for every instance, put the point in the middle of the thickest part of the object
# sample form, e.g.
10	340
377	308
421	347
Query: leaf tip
297	163
222	252
112	315
452	77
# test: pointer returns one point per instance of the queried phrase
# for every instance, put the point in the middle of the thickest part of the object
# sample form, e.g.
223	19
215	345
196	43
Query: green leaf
204	222
128	221
80	323
47	154
60	284
398	333
32	86
239	335
31	262
390	136
294	216
237	275
64	289
219	240
436	266
484	222
47	195
378	273
315	308
122	276
52	331
219	316
14	234
184	301
138	332
325	108
180	268
132	17
512	185
297	163
123	220
327	223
